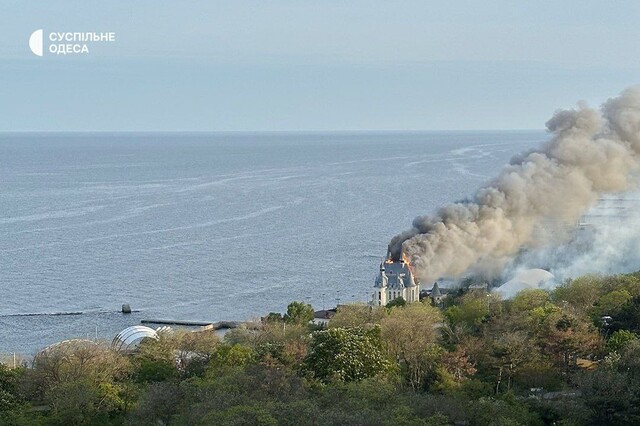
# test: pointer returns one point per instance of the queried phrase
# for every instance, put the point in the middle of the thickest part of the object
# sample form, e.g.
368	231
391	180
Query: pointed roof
435	291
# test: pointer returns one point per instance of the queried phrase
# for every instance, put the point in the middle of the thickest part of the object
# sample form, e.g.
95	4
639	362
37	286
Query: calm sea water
212	226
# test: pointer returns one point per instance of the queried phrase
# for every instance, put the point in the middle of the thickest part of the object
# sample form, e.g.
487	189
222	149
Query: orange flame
404	259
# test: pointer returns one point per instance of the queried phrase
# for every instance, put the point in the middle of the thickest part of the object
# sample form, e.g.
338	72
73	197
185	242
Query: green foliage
159	403
82	402
505	411
472	363
9	397
580	293
154	361
567	337
232	356
629	316
299	313
274	317
628	282
411	336
346	354
193	351
357	315
149	369
611	303
475	389
620	339
470	312
611	397
397	302
241	415
529	299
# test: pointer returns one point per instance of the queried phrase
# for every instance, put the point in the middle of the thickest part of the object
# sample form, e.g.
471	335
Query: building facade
395	280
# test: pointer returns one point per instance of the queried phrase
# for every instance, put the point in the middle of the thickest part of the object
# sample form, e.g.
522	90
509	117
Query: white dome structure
129	338
526	279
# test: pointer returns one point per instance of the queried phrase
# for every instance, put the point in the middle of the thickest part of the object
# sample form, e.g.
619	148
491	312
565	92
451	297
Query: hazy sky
314	65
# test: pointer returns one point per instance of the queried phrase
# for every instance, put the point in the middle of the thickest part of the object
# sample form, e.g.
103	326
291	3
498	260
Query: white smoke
607	241
537	199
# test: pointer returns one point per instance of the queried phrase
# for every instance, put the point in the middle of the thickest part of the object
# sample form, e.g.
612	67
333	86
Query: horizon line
366	131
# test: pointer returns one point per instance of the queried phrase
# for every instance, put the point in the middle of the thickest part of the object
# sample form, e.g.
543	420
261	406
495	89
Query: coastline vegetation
570	356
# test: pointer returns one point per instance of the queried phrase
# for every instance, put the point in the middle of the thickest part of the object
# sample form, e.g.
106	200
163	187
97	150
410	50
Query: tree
274	317
299	313
410	334
346	354
529	299
357	315
580	293
397	302
628	282
193	351
77	360
232	356
457	364
566	337
158	404
155	360
472	310
611	303
629	316
82	382
9	397
620	339
630	359
83	402
611	397
513	351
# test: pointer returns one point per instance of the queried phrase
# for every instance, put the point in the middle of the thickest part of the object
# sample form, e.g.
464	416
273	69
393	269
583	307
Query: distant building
323	317
395	280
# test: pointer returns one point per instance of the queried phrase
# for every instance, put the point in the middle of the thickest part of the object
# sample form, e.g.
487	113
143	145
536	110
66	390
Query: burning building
536	198
396	279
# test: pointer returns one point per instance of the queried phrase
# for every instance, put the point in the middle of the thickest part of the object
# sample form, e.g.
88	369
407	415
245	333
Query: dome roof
129	338
526	279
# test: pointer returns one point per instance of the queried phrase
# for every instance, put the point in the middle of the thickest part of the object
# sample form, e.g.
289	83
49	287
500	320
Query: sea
212	226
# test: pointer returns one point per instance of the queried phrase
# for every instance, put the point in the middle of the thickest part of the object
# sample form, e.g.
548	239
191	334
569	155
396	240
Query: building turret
436	295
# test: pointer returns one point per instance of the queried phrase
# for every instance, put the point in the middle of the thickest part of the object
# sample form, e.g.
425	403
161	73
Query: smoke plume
536	198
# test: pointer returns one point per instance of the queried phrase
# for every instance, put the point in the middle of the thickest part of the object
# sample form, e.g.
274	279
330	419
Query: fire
404	259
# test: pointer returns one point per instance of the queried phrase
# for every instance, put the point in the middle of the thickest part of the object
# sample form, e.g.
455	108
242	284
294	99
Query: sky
324	65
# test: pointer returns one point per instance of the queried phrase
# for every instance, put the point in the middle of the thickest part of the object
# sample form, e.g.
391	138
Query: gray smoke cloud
536	199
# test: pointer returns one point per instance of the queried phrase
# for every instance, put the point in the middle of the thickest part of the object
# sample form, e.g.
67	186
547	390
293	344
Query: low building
395	280
323	317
